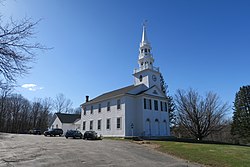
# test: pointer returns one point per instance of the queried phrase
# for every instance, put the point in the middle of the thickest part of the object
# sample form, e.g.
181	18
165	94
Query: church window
99	123
84	125
161	106
156	120
84	111
149	50
99	108
118	104
108	124
147	104
166	106
156	104
141	50
141	63
91	110
140	78
118	123
108	106
145	50
91	125
150	104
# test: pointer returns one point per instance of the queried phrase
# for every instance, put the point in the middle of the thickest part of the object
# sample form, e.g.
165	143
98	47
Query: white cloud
32	87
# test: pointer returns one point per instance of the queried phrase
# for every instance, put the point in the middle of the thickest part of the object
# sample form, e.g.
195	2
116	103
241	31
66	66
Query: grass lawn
208	154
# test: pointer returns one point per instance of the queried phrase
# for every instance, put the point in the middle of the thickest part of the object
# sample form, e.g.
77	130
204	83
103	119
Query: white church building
136	110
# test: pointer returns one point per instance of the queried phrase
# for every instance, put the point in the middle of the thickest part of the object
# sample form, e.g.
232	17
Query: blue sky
203	45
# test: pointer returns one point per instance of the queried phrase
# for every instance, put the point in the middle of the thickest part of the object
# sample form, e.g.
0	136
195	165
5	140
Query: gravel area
37	150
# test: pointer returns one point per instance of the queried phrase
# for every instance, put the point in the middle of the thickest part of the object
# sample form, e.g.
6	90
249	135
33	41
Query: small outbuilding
65	121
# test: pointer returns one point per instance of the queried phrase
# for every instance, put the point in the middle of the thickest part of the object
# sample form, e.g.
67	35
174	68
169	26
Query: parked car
35	132
92	135
54	132
74	134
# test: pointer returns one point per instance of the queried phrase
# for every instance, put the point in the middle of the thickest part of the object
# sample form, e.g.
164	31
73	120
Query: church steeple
146	74
144	39
146	59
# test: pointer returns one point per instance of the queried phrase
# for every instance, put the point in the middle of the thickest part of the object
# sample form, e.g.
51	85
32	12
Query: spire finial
145	23
144	33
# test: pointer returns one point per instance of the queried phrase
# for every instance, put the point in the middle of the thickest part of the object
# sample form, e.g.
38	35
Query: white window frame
99	125
120	124
108	120
91	125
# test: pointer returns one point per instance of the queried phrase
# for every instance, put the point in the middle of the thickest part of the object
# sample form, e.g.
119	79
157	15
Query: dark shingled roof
112	94
68	118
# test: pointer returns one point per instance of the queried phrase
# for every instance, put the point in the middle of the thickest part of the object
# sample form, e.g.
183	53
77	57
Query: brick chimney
87	99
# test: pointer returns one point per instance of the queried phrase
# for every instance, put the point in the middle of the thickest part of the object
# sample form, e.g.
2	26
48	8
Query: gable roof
131	90
111	94
146	91
68	118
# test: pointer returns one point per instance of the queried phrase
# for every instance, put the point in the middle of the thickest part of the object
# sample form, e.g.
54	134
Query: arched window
148	120
146	50
164	121
156	120
140	78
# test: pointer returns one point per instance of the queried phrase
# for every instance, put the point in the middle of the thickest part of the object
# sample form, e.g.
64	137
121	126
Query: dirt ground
37	150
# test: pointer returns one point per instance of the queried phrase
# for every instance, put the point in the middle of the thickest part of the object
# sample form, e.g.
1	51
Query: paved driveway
32	150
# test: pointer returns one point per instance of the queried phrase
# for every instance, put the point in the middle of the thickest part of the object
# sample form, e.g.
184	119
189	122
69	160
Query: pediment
155	91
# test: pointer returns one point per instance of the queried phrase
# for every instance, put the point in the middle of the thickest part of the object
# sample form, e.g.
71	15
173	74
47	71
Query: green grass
208	154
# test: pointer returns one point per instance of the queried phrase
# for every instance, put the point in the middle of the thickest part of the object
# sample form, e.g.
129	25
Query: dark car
35	132
73	133
92	135
54	132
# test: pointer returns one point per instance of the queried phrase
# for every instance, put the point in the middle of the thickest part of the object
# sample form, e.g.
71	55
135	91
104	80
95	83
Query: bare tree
78	110
35	112
43	120
200	116
5	91
16	48
62	104
68	106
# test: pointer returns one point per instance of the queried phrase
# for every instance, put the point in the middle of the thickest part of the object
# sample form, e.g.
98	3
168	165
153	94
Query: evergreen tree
171	110
171	105
163	85
241	117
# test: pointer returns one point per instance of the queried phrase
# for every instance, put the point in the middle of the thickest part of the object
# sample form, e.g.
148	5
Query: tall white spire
144	39
146	74
146	59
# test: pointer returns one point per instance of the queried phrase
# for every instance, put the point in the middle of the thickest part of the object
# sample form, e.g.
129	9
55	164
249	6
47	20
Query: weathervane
145	23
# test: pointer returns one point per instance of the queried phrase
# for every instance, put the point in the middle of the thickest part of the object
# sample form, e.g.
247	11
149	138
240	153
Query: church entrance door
148	128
